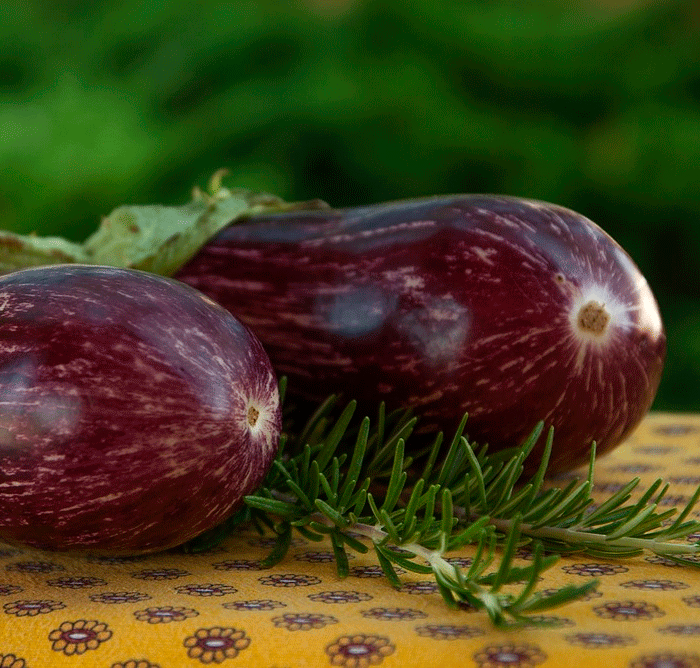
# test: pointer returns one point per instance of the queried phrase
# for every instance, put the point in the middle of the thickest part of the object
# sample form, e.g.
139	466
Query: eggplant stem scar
253	414
593	318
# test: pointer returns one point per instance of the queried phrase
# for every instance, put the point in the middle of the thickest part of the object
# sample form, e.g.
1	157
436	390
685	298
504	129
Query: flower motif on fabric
565	475
76	582
216	644
32	608
667	661
628	610
676	500
552	621
594	570
205	589
11	661
237	565
303	621
317	557
685	480
393	614
593	640
372	571
422	587
449	631
663	585
525	552
78	637
692	601
289	580
402	551
34	567
681	629
114	560
634	467
115	597
464	606
6	552
677	429
255	604
9	589
608	487
160	574
594	593
460	562
695	557
661	561
654	449
211	550
340	596
270	541
515	655
135	663
359	651
164	614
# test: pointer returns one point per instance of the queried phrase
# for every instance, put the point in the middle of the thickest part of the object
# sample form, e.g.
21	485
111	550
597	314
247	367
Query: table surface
219	607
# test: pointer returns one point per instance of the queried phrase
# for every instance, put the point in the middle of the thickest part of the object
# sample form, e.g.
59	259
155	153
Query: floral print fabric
220	608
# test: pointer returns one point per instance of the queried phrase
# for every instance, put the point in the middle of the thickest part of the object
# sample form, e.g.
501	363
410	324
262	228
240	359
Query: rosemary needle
351	480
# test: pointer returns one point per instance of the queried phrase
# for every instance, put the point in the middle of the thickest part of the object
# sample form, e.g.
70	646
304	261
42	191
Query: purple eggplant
512	310
134	412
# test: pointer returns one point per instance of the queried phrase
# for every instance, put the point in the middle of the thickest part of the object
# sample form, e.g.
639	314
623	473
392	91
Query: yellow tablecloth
173	609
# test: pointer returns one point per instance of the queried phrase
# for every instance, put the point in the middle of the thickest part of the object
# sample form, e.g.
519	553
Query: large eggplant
134	412
512	310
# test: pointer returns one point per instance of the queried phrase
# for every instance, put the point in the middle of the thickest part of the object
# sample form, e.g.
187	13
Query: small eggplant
135	413
509	309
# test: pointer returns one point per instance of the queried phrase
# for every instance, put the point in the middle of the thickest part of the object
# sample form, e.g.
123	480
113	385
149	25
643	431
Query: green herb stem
577	537
350	480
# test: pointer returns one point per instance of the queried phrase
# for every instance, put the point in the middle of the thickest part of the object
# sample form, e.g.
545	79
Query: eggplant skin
512	310
135	413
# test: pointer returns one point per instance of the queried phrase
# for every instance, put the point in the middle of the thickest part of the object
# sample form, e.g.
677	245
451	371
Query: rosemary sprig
351	480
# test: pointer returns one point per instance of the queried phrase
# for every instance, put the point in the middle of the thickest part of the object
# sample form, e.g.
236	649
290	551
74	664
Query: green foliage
590	105
351	480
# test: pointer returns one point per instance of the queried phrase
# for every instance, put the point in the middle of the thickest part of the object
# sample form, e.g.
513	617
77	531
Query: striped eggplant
134	412
509	309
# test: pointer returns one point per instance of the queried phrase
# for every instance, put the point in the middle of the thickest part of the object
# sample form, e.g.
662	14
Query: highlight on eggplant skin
512	310
134	412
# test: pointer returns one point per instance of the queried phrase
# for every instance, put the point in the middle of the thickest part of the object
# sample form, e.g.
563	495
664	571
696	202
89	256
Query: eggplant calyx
154	238
161	239
21	251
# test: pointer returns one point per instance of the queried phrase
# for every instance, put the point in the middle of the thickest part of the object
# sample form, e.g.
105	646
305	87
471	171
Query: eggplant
508	309
135	413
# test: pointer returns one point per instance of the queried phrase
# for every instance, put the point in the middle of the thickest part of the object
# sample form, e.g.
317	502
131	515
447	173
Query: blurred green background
594	105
